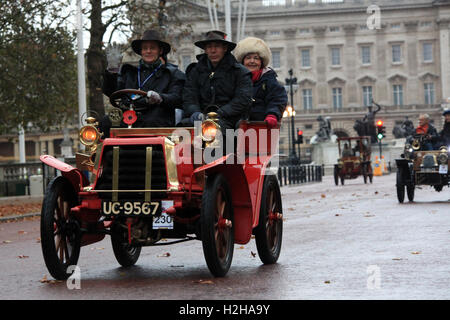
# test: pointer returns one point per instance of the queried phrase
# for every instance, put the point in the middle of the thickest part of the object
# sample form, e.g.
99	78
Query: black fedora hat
150	35
215	36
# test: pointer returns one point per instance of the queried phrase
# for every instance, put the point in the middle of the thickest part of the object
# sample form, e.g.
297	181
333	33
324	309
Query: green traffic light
380	136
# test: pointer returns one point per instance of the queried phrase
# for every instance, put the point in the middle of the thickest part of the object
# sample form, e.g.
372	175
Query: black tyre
400	187
125	254
269	232
364	173
410	192
217	225
336	176
60	232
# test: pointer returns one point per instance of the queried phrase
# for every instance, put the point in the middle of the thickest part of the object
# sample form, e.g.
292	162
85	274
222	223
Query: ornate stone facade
342	64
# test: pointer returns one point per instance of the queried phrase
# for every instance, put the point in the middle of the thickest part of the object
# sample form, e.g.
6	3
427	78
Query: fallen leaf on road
204	281
253	254
22	256
415	252
300	191
22	232
241	247
327	281
164	255
45	280
291	209
323	196
397	259
376	192
7	241
337	214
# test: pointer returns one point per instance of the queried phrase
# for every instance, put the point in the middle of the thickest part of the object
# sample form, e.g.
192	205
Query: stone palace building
346	54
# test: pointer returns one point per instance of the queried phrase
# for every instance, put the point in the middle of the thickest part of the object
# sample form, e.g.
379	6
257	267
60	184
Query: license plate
129	208
443	169
164	221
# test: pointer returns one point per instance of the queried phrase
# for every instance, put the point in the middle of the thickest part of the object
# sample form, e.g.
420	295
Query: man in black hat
163	83
217	79
444	135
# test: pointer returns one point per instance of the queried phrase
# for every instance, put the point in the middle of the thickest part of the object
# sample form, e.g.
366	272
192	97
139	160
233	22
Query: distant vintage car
418	167
145	186
354	159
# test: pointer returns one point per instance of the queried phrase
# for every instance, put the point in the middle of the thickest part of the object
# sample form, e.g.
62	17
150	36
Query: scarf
422	129
256	75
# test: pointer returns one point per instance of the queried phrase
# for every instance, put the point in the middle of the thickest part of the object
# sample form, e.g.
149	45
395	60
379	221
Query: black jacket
229	86
168	81
270	97
445	135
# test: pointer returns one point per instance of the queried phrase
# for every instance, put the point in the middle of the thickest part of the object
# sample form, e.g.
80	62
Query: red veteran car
148	184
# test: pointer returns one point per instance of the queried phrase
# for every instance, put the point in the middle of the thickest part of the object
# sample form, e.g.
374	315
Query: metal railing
297	174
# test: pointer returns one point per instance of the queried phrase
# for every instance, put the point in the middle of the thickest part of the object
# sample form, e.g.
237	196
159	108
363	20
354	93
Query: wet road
346	242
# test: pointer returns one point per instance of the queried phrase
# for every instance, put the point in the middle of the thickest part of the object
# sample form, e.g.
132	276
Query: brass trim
172	174
148	172
115	177
138	190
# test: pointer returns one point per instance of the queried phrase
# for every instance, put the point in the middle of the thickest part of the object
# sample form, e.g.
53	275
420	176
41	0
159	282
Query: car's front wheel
216	222
60	232
400	187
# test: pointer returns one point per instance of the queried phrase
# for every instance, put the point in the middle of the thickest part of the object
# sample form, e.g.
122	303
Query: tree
128	18
38	66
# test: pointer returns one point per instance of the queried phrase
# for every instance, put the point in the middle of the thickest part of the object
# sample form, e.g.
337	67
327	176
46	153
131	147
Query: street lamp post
291	83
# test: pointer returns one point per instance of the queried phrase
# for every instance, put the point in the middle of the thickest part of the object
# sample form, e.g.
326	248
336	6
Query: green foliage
38	81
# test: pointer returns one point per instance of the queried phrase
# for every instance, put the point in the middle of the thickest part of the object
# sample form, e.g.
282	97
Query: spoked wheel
126	254
400	187
410	191
336	176
269	232
60	232
216	222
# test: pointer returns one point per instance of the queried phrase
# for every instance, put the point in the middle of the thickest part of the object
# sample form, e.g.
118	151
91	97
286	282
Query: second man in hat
217	79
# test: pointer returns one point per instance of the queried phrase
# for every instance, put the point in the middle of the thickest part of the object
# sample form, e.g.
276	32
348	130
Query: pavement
15	206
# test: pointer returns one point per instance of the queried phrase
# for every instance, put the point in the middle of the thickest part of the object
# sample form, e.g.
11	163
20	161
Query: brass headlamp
89	135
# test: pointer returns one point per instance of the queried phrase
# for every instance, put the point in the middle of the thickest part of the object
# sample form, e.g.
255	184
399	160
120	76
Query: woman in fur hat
270	97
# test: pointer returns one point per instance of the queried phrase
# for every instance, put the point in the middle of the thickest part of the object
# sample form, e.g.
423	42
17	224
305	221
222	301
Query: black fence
15	177
296	174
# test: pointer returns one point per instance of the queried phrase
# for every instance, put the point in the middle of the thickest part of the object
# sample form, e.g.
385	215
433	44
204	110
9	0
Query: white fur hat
253	45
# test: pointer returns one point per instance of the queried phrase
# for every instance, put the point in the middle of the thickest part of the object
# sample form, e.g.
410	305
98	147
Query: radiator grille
132	169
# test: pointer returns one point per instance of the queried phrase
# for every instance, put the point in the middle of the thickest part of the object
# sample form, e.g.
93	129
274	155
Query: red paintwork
244	172
74	175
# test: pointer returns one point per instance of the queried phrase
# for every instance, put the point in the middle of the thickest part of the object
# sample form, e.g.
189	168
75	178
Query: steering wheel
122	99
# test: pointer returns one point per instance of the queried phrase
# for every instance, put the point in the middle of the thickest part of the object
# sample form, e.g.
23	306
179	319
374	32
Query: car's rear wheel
60	232
364	173
126	254
216	222
400	187
336	176
410	191
269	232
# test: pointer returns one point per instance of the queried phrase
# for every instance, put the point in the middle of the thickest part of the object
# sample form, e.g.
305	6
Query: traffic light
299	136
381	130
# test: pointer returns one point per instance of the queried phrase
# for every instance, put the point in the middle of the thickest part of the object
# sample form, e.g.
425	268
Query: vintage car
419	167
145	185
354	159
